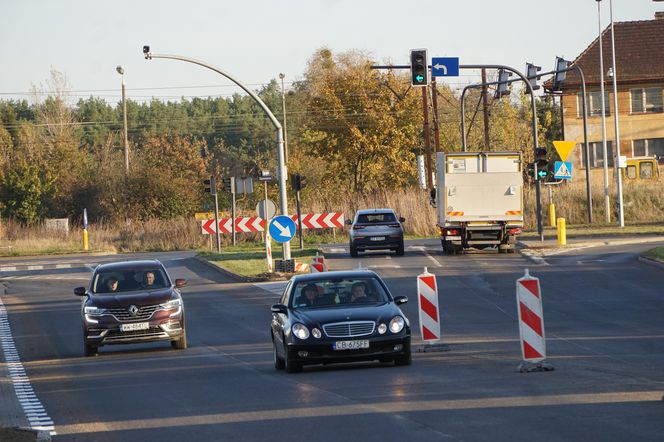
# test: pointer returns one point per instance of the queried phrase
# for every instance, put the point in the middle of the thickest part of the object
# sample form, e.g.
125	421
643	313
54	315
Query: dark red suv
130	302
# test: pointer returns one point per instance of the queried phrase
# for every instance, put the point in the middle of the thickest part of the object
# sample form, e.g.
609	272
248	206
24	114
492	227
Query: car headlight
170	305
300	331
396	324
316	333
94	311
382	328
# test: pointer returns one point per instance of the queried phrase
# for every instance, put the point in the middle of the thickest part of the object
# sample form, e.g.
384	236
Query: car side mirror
348	222
79	291
402	219
180	283
400	300
279	308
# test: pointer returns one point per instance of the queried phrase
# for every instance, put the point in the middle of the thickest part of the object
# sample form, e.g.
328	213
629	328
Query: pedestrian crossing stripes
35	413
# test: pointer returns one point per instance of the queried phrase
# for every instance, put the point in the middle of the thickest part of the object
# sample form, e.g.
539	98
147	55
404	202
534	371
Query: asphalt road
603	315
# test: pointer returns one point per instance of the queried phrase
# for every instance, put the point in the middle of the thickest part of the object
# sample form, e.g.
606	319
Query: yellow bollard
552	215
562	232
85	239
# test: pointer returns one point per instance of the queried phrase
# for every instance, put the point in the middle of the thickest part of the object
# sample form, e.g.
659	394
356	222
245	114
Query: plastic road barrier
427	299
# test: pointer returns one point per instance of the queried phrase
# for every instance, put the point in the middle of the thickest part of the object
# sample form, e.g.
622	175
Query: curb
596	243
234	276
20	434
653	263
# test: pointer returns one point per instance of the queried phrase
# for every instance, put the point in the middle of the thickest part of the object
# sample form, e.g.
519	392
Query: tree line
350	129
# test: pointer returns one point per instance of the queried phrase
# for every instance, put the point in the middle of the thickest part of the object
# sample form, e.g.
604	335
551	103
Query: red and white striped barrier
318	264
268	251
256	224
531	322
427	298
301	267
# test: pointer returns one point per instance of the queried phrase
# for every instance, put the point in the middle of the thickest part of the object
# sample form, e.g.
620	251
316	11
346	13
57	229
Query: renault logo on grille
133	310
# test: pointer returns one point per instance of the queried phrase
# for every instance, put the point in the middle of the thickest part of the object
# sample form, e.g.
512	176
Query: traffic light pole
216	220
281	163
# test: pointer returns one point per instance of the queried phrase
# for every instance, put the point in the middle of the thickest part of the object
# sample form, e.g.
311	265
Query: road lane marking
39	421
276	288
431	258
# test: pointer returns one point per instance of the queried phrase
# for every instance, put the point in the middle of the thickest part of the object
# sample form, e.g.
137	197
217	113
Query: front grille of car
349	329
122	314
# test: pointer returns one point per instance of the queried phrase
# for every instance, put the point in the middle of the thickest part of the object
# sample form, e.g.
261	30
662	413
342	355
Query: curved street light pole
281	165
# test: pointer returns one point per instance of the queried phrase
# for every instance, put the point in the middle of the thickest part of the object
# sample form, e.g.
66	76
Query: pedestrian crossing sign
563	170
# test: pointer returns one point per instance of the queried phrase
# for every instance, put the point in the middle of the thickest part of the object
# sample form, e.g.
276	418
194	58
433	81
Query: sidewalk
551	242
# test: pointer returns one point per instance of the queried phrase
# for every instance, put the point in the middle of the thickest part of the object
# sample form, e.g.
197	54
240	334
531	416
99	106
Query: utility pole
485	110
434	103
427	139
283	108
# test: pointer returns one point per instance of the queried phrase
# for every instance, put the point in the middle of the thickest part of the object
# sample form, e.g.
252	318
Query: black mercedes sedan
130	302
338	316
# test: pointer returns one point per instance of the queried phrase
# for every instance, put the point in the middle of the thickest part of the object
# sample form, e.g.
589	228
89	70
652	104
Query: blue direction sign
563	170
282	228
445	66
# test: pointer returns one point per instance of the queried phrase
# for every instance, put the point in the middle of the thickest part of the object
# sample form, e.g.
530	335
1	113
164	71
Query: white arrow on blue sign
282	228
563	170
445	66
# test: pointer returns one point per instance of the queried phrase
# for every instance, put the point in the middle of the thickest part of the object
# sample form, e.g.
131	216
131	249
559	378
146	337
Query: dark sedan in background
339	316
131	302
376	229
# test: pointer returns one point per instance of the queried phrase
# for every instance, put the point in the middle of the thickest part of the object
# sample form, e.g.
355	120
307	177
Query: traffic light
298	182
229	184
542	163
503	84
561	73
210	185
419	69
531	170
531	74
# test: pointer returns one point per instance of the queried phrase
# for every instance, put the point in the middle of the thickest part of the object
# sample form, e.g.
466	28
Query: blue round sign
282	228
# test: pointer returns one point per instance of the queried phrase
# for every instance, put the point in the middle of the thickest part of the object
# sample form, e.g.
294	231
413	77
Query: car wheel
400	250
404	360
180	344
278	362
353	252
90	350
291	366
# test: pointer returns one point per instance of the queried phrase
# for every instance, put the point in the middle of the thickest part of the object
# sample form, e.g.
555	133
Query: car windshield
376	218
130	280
326	293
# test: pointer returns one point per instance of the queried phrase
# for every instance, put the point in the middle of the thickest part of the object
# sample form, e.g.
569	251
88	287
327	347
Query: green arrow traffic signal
419	78
542	173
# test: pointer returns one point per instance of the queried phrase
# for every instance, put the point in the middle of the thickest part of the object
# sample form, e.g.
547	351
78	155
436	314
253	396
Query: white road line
8	269
431	258
32	407
63	266
276	288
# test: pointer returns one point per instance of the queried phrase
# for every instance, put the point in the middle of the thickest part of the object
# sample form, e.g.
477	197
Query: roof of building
639	55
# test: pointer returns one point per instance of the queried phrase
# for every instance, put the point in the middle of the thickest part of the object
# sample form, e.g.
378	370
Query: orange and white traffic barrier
531	324
317	264
301	267
427	299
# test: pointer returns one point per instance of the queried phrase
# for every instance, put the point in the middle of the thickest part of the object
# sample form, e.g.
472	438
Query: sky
255	40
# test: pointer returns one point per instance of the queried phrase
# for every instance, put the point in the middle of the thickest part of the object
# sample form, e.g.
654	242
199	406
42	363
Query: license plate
377	238
350	345
135	326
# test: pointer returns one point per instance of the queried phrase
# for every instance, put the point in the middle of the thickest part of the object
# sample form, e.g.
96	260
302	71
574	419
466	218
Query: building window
594	103
647	100
596	154
648	148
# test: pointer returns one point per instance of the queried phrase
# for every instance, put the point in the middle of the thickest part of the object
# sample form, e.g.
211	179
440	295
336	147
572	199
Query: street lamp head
281	75
146	52
609	73
120	70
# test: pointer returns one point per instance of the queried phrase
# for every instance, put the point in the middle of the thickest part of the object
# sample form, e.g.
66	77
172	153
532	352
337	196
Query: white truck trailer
479	200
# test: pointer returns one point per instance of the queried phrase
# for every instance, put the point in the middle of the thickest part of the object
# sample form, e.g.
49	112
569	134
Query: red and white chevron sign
531	321
321	220
428	306
256	224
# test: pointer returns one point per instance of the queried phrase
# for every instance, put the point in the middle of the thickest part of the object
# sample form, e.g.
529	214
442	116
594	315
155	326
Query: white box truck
479	200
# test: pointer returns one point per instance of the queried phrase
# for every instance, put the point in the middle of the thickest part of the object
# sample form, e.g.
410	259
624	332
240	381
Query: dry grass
643	202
